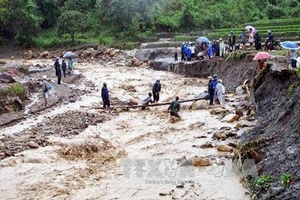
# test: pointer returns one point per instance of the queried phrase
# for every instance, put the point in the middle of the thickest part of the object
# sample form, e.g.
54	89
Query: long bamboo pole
158	104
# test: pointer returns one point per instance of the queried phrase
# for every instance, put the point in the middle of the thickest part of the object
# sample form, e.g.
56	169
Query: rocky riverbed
76	150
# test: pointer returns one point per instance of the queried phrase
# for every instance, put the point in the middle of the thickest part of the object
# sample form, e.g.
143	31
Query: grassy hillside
282	29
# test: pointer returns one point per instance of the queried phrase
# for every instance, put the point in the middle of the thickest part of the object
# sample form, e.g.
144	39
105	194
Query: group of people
216	90
63	68
253	38
156	88
187	52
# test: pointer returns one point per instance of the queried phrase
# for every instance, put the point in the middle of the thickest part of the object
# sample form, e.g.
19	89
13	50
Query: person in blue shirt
211	88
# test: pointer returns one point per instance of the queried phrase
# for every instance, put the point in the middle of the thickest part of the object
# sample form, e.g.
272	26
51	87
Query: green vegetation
286	179
263	182
14	90
52	23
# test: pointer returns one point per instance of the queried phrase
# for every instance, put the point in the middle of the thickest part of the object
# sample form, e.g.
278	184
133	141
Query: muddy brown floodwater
132	155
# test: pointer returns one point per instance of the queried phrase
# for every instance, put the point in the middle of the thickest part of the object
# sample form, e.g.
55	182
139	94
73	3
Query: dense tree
71	22
22	19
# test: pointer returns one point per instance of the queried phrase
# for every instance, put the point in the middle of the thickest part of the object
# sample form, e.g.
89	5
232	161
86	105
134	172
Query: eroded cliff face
232	72
277	94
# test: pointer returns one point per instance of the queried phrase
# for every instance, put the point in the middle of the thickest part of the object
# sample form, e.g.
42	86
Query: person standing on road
64	67
156	90
105	96
45	89
57	70
174	108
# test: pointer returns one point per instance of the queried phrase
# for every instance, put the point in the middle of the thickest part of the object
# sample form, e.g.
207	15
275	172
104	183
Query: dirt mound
59	125
277	95
92	152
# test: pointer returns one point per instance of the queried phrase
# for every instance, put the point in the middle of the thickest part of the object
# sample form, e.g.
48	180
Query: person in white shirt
220	93
222	47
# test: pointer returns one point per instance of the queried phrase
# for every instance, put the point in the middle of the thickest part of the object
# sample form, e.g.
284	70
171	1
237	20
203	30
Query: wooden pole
158	104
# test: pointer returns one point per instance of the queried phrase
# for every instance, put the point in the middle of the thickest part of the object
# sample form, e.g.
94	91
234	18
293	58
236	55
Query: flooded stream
143	163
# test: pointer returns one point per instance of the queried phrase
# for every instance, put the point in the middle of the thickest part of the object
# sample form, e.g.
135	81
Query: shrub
14	90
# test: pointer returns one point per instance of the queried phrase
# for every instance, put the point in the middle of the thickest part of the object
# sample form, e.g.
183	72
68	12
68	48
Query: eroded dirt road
130	155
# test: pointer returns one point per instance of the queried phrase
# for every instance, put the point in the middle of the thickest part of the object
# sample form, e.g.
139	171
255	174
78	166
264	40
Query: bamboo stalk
158	104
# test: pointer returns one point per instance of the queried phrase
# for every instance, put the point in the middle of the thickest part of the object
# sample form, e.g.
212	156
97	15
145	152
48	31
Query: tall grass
14	90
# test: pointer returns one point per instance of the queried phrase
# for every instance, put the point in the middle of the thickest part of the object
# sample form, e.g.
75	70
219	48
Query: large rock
244	123
224	148
230	118
197	162
217	111
33	145
201	104
5	78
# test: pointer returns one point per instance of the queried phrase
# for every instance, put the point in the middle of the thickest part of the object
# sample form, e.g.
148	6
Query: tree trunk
73	38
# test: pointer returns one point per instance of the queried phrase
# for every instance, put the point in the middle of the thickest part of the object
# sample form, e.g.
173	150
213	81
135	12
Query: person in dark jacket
211	88
156	90
174	108
216	48
232	41
269	41
182	52
257	41
64	67
105	96
57	70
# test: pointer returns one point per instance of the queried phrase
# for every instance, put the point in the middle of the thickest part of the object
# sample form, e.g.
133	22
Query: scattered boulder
200	162
220	136
5	78
230	118
239	112
45	54
275	191
201	104
33	145
224	148
196	161
206	145
218	111
244	123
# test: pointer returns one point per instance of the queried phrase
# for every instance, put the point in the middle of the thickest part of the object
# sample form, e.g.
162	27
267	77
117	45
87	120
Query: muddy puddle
129	155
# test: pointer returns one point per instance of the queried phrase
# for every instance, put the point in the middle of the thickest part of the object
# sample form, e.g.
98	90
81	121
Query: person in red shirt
261	65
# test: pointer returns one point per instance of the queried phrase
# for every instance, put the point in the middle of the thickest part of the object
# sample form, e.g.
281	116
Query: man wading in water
174	108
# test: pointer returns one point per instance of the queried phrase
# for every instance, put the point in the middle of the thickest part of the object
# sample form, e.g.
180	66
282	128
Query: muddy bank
233	73
277	94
